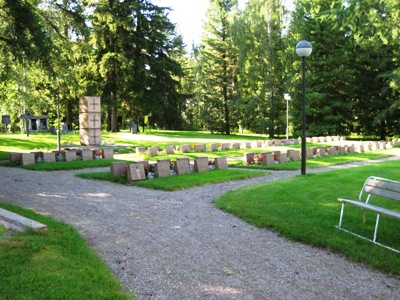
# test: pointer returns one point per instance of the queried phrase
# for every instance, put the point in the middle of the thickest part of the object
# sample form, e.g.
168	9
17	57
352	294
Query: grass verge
53	265
179	182
305	209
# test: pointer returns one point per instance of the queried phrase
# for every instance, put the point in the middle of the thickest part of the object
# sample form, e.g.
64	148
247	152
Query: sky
188	16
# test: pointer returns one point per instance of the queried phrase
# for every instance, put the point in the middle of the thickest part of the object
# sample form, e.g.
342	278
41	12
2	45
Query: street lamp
303	49
287	98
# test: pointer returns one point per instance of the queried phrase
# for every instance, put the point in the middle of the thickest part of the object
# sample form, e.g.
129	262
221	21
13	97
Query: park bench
376	187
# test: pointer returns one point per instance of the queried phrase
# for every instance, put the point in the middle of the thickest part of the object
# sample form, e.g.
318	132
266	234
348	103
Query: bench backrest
380	187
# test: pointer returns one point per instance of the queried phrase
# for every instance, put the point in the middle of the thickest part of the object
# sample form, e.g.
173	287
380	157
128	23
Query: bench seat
374	187
374	208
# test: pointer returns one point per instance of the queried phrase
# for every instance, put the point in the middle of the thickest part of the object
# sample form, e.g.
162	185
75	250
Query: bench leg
376	227
341	215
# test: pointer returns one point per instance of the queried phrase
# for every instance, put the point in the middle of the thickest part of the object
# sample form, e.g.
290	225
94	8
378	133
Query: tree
217	63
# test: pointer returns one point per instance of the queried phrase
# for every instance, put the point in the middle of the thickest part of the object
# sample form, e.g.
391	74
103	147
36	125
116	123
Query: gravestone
108	153
70	155
118	169
310	153
185	148
87	155
269	143
169	150
389	145
5	120
201	164
294	155
282	158
65	128
49	157
224	146
245	145
342	150
90	121
134	127
382	145
359	148
182	166
350	149
221	163
332	151
213	147
314	139
276	155
248	158
162	168
235	145
153	151
26	117
268	159
135	172
140	150
27	159
200	147
14	157
321	152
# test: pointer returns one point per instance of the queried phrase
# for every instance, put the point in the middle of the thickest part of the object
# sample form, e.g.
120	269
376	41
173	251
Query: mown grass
53	265
305	209
178	182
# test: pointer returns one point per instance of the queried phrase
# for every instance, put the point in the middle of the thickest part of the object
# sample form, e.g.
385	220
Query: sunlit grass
305	209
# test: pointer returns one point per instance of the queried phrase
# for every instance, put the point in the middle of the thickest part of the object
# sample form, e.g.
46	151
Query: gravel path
176	245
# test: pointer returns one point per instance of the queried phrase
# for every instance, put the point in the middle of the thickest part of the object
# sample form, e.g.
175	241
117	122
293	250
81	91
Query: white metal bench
376	186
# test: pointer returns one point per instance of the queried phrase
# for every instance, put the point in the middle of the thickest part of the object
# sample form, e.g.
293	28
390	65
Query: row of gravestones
162	168
271	158
25	159
154	151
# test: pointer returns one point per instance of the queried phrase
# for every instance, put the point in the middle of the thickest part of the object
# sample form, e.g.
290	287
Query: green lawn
53	265
179	182
305	209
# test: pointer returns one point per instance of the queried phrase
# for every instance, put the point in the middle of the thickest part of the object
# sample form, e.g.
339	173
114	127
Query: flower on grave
171	165
258	159
60	156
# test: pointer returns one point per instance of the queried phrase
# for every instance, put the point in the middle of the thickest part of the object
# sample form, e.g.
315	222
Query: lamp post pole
287	98
303	49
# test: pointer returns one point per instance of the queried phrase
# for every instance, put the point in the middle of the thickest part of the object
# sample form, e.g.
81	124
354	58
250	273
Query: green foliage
53	265
305	209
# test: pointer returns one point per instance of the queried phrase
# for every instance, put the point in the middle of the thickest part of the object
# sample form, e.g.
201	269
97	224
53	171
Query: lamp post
287	98
303	49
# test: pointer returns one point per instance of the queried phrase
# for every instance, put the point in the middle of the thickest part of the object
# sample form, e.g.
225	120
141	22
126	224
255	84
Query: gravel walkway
176	245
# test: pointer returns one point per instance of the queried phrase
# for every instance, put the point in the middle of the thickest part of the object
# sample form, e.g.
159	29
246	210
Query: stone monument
90	121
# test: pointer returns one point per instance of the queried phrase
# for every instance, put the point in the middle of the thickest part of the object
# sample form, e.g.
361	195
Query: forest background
129	53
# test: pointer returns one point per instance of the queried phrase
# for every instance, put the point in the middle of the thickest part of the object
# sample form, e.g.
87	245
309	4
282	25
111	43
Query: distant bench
377	186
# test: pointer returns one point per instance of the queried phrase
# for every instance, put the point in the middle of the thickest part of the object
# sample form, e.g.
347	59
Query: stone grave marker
118	169
87	154
332	151
221	163
245	145
108	153
49	157
140	150
269	143
359	148
389	145
200	147
182	166
27	159
276	155
136	172
14	157
294	155
282	158
314	139
309	153
268	159
342	150
350	149
235	145
201	164
382	145
70	155
213	147
277	142
321	152
162	168
185	148
153	151
224	146
169	150
248	157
